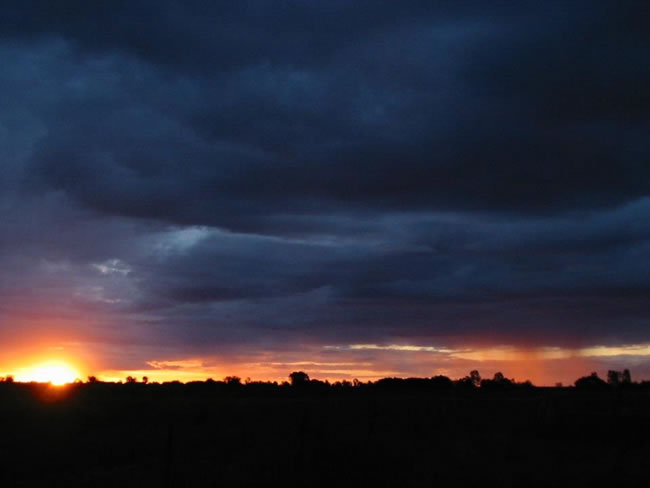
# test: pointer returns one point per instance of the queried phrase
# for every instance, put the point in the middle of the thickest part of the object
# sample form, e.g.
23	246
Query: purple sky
251	187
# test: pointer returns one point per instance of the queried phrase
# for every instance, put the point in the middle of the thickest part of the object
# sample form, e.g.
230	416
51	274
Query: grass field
214	435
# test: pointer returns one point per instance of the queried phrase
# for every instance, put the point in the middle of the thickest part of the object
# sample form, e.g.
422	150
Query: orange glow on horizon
64	363
58	373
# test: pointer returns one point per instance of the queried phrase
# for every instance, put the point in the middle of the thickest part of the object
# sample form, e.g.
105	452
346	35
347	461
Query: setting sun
54	372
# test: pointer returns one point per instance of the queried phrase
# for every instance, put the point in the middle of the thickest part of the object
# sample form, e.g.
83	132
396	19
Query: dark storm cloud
277	172
415	109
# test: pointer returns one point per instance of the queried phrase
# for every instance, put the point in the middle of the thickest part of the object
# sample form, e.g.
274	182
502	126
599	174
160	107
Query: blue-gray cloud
301	172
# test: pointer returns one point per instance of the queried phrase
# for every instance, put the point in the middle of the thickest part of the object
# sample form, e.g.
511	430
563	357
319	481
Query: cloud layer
250	178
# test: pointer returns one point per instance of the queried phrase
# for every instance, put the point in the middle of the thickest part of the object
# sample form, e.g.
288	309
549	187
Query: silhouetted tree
614	377
591	382
342	384
232	381
627	377
465	383
441	383
130	379
299	378
498	381
92	379
471	381
145	380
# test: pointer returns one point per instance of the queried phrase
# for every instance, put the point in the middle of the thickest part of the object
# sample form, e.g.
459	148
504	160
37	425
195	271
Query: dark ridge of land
395	433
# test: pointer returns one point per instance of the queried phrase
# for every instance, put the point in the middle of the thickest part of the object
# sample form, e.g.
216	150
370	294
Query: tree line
299	380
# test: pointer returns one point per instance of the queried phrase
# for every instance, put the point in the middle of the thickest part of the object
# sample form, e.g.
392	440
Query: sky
352	189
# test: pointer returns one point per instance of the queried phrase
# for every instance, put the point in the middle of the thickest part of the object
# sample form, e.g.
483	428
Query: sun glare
55	372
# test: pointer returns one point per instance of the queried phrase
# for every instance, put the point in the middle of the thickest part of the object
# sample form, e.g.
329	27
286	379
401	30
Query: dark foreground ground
99	435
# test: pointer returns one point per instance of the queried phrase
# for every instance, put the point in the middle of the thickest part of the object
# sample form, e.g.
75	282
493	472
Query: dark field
218	435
